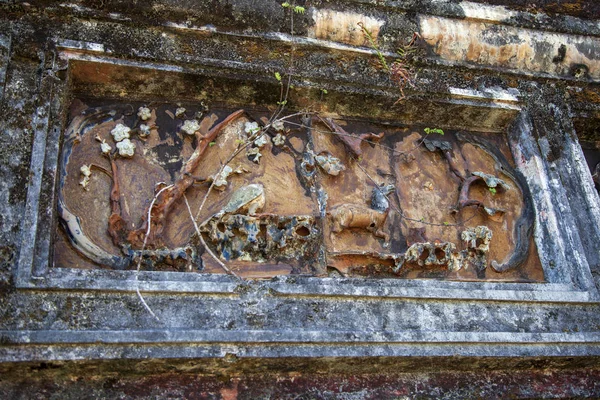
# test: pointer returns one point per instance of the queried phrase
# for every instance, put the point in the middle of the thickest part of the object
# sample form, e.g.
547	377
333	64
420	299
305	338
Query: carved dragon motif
525	223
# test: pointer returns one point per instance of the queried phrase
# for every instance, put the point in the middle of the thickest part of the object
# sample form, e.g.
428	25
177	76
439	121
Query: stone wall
528	74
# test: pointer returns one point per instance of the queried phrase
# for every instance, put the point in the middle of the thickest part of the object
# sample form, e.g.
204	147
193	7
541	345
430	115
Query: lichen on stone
86	172
432	254
491	181
433	145
220	180
179	112
105	148
144	113
126	148
477	241
279	140
379	197
261	141
471	236
278	125
260	238
254	154
330	164
251	128
144	130
120	132
495	214
250	198
190	126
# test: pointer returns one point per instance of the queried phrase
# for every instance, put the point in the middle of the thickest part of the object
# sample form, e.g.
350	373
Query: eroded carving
477	241
352	142
445	149
264	237
246	200
492	184
346	216
379	198
304	199
439	254
523	228
329	164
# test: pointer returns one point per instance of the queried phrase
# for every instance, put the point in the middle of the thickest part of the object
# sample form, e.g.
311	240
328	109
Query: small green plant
324	91
296	9
278	77
446	223
211	144
492	190
400	72
429	131
369	35
407	50
282	103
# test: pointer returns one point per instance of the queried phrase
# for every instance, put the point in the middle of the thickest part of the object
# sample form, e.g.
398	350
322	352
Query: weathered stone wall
528	72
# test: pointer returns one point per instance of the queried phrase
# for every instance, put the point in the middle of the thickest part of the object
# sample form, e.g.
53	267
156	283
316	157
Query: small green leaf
285	5
446	223
429	131
278	76
492	190
299	10
211	144
282	103
324	91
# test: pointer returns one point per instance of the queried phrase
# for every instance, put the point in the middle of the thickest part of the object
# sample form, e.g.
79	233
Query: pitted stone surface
215	324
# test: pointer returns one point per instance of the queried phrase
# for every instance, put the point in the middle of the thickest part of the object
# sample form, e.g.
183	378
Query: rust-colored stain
527	50
343	26
312	196
230	393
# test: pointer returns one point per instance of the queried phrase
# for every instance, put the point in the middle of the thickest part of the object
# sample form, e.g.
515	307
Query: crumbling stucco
533	334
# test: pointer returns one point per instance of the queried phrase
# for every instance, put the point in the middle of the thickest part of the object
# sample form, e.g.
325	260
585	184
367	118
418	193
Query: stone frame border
570	281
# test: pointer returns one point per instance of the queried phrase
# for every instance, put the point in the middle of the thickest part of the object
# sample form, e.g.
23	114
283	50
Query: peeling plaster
342	26
530	51
484	12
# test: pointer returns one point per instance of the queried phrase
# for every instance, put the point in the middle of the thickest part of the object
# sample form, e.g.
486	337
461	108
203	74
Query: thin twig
248	142
229	271
139	264
212	184
282	102
237	151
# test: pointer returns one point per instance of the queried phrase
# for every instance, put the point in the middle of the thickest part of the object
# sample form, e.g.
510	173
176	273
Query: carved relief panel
205	188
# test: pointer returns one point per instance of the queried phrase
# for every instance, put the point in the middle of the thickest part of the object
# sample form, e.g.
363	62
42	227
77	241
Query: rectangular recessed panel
311	191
